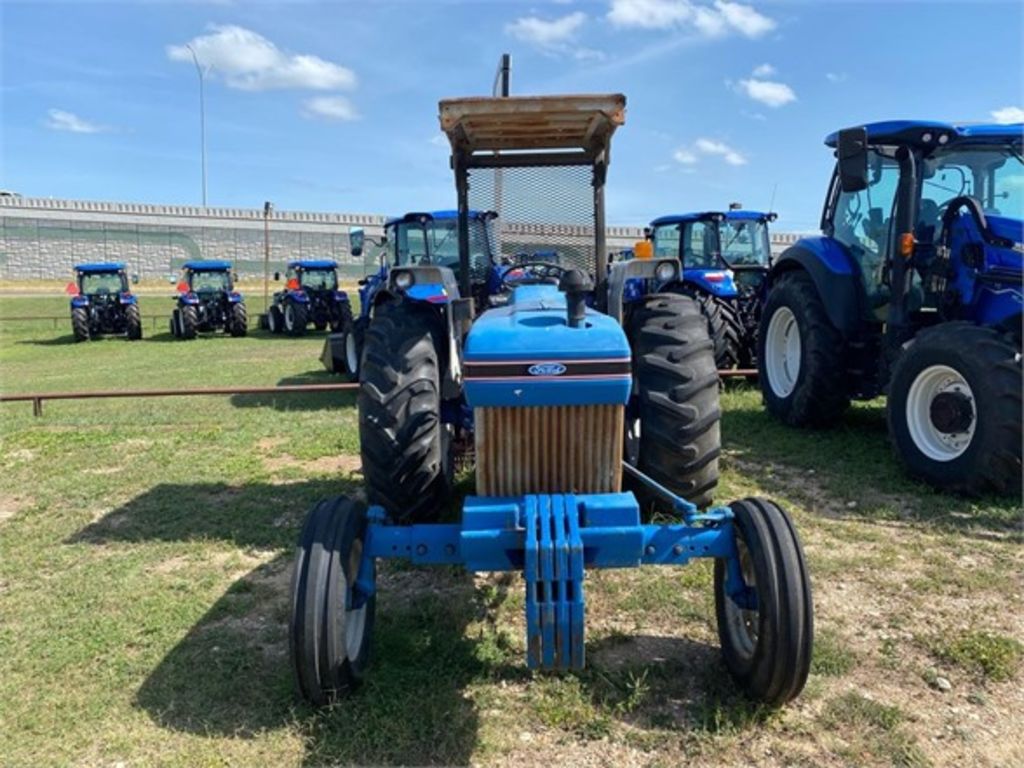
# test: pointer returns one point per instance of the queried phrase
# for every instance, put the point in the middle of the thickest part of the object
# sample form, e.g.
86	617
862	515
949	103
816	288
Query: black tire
295	318
989	458
676	398
133	322
771	664
329	637
818	395
724	328
173	324
406	458
344	319
189	322
354	340
80	323
320	325
239	324
275	320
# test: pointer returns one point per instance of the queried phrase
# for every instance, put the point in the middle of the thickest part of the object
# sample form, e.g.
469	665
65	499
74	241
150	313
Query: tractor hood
527	354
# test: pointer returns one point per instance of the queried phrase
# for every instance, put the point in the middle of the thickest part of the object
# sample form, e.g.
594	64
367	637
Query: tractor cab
100	280
310	295
312	275
206	300
206	278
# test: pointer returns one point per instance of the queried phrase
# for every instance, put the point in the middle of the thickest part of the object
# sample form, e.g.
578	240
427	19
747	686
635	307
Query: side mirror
135	279
356	238
852	156
648	233
171	280
277	276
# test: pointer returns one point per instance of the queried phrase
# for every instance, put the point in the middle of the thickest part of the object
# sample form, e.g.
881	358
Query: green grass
145	553
990	655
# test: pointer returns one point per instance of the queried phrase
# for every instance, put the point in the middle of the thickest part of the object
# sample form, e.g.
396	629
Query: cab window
700	245
666	241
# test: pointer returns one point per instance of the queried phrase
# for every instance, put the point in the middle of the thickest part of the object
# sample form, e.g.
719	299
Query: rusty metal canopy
578	122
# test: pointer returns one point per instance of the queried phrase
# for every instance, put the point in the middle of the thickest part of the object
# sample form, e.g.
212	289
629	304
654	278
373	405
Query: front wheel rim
354	618
743	625
933	442
782	351
351	354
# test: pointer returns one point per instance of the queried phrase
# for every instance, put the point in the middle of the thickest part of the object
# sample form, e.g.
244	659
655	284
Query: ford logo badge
547	369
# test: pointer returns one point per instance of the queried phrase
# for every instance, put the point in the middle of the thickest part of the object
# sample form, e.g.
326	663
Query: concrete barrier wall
41	239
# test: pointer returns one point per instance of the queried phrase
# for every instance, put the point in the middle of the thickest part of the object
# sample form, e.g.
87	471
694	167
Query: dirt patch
343	464
11	505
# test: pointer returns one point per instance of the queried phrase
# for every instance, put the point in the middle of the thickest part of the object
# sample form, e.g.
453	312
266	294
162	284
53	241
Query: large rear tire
133	322
673	424
724	328
405	451
239	320
954	409
189	322
767	638
331	623
801	356
80	323
295	318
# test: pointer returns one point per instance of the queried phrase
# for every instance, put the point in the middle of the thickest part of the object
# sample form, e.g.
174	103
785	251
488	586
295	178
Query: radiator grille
549	449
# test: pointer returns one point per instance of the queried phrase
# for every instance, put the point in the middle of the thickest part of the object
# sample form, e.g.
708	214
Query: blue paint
313	264
925	133
829	252
96	268
210	265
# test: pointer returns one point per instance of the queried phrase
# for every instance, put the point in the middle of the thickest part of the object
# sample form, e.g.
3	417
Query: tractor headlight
403	280
665	271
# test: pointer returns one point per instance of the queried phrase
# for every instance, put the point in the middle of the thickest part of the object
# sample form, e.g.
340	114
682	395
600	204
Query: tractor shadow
851	472
230	674
305	401
68	340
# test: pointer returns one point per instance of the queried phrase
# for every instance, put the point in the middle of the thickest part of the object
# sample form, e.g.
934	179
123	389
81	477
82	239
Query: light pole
202	115
268	207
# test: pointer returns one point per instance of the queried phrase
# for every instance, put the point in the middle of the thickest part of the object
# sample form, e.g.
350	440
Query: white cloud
689	156
764	70
251	62
835	77
684	156
1008	115
329	108
532	29
719	148
60	120
716	20
767	92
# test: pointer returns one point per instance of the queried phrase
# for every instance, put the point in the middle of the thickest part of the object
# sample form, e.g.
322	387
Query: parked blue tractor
102	303
311	295
207	301
913	290
725	257
583	412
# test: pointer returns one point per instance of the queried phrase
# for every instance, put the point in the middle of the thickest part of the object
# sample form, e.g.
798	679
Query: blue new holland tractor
207	301
914	290
311	295
584	411
102	303
725	258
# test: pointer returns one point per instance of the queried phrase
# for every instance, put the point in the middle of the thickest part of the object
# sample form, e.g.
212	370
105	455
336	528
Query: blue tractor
102	303
725	259
412	239
913	290
583	412
311	295
207	301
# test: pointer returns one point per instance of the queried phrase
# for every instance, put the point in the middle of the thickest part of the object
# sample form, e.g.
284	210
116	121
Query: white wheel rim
782	352
743	624
355	619
351	357
929	439
289	317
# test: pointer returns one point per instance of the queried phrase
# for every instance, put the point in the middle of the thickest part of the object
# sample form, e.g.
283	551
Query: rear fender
79	301
717	282
836	277
128	298
236	298
299	297
189	299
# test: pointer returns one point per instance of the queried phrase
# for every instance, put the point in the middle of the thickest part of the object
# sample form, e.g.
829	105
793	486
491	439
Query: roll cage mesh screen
542	210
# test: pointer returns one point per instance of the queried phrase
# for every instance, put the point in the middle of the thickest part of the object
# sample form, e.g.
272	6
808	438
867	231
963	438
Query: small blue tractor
415	238
102	303
207	301
913	290
725	259
311	295
560	391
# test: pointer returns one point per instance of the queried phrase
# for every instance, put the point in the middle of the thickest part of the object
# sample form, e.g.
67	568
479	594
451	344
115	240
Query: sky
332	106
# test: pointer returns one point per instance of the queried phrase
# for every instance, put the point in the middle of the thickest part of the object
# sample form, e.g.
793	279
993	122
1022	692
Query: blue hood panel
525	354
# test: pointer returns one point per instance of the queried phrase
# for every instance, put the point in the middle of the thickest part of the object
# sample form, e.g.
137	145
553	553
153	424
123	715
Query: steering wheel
540	272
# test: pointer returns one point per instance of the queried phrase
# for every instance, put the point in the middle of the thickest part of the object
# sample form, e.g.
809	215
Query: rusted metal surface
549	449
37	398
481	124
738	373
